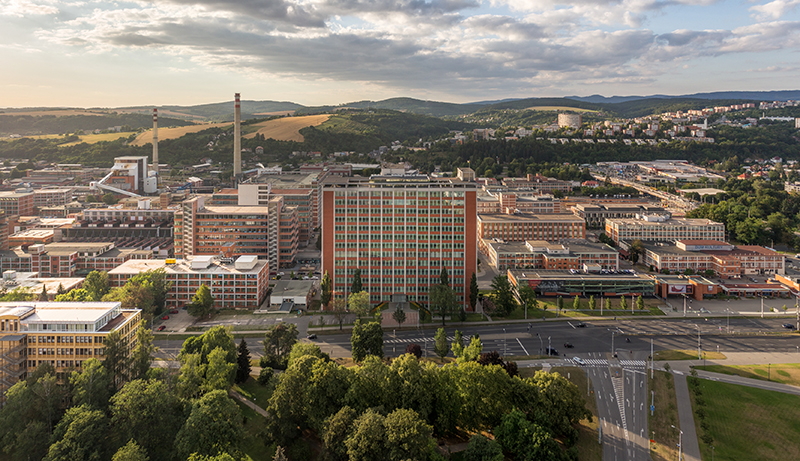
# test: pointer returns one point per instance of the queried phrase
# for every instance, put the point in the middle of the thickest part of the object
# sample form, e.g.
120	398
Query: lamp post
549	349
680	443
699	349
612	343
541	345
505	349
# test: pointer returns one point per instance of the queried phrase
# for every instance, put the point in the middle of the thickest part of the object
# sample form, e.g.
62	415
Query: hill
146	137
49	123
783	95
286	128
414	106
220	111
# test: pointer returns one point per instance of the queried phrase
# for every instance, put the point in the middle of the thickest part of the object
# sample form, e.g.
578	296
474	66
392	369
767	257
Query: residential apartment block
68	259
724	259
400	232
652	227
539	254
63	335
520	227
505	202
303	199
242	284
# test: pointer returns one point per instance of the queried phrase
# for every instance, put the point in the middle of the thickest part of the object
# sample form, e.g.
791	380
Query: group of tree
146	291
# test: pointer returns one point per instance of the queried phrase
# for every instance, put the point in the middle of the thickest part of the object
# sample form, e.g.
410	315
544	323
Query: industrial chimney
237	138
155	140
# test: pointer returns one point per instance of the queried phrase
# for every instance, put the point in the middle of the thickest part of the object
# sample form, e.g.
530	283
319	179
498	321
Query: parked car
173	311
551	351
788	326
166	317
581	325
311	336
568	345
161	328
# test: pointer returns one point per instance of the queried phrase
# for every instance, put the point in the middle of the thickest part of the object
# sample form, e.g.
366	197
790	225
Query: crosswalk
466	339
633	363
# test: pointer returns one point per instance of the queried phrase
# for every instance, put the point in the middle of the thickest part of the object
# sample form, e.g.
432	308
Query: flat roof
182	266
703	191
544	274
59	312
292	288
669	222
669	248
231	209
15	310
526	217
33	233
702	242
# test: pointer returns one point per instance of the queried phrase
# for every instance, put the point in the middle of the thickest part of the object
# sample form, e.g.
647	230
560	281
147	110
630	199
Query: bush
265	376
273	362
414	350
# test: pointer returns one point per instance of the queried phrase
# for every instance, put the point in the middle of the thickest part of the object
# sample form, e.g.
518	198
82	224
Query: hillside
286	128
221	111
56	124
146	137
415	106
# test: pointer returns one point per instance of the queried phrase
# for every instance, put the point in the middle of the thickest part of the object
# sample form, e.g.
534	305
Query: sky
98	53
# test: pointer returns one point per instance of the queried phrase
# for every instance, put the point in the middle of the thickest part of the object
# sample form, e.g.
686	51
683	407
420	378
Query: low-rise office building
540	254
565	283
595	215
520	227
723	259
663	227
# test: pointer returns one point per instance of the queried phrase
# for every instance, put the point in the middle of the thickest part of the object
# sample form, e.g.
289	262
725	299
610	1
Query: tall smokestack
155	140
237	138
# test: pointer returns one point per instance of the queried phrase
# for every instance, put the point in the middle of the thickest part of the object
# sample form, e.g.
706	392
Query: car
166	317
581	325
551	351
173	311
311	336
161	328
788	326
568	346
579	361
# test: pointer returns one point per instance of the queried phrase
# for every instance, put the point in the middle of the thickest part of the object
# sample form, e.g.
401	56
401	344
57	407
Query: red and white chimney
155	140
237	137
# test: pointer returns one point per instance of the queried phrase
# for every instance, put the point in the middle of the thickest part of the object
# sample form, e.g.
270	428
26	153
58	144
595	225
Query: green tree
480	448
116	359
336	429
640	303
576	303
96	284
560	303
219	372
214	427
142	356
357	286
218	336
325	392
503	298
326	287
399	316
109	199
202	304
303	349
60	290
366	441
75	295
278	342
243	363
131	451
608	304
148	413
358	302
473	292
636	250
339	311
457	346
444	277
81	434
526	440
440	347
528	295
17	294
408	436
367	339
191	375
473	351
443	301
43	296
622	303
592	303
91	386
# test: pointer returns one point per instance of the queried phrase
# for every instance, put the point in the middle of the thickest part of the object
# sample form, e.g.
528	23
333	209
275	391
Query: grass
254	428
768	432
287	128
664	417
146	137
254	392
784	373
687	354
95	138
587	444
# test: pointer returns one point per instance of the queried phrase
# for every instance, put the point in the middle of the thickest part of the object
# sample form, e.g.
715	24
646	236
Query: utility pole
762	306
652	358
684	305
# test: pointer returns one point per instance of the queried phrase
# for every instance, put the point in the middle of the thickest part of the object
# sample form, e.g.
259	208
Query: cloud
22	8
775	9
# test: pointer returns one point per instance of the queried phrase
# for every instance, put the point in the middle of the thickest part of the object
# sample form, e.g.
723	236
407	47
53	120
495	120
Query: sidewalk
250	404
691	447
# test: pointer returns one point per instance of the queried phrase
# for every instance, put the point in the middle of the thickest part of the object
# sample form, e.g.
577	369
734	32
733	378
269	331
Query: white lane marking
523	347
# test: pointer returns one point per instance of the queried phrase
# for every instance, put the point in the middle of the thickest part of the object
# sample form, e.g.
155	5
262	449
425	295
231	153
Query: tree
560	303
303	349
214	427
91	386
576	304
366	441
457	346
96	284
473	351
473	292
142	355
358	302
43	297
503	298
243	363
218	336
443	301
622	303
278	342
357	287
109	199
408	436
279	454
640	303
81	434
116	359
524	439
414	350
148	413
339	311
326	287
367	339
74	295
608	304
131	451
480	448
592	303
219	372
444	277
636	250
60	290
17	294
202	304
336	429
399	316
528	295
440	347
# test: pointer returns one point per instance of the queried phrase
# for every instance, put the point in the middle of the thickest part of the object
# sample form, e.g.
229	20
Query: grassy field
287	128
56	112
687	354
146	137
95	138
559	108
748	423
665	416
551	303
785	373
253	444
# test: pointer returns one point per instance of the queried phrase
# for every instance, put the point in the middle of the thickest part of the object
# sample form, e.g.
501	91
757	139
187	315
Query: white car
579	361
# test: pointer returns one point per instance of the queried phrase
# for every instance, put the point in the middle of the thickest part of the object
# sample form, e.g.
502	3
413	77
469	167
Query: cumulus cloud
775	9
21	8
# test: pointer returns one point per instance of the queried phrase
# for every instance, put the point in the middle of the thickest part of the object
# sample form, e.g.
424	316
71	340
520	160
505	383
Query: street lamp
505	349
541	345
549	349
680	443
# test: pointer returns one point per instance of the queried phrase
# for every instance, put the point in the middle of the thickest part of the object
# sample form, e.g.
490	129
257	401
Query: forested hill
52	124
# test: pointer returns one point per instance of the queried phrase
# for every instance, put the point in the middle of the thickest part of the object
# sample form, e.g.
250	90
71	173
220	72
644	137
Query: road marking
523	347
570	324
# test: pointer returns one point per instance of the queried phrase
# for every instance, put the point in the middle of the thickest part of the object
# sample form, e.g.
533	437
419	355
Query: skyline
313	52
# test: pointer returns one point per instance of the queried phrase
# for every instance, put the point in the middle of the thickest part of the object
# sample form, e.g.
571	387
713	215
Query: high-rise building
61	334
400	232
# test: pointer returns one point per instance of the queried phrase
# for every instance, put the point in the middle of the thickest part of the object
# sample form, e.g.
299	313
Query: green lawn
687	354
254	392
748	423
665	416
253	444
785	373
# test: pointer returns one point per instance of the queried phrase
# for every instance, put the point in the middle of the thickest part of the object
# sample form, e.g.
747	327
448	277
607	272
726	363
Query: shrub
265	376
414	350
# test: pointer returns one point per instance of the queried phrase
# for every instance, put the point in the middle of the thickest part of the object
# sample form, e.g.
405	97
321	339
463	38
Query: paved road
691	447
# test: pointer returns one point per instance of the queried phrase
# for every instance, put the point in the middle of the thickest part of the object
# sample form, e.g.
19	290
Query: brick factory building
653	227
520	227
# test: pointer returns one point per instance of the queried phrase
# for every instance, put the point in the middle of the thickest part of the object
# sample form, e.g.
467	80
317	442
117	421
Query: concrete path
247	402
691	447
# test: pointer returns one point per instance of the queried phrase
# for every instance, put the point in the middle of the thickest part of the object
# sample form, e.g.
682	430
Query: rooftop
223	209
181	266
526	217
